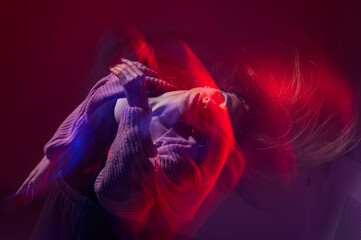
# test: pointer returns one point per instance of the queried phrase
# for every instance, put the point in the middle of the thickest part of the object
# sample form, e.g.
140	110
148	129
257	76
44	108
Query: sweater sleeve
120	184
125	187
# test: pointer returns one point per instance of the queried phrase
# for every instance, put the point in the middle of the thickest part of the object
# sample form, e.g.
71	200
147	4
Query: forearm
120	186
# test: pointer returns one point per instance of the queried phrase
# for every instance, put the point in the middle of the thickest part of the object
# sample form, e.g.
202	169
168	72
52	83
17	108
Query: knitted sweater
132	154
127	184
178	171
108	88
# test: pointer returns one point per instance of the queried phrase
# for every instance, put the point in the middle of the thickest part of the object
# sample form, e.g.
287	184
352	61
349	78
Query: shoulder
119	106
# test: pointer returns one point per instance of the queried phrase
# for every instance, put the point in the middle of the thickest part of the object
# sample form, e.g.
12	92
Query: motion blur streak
300	115
183	205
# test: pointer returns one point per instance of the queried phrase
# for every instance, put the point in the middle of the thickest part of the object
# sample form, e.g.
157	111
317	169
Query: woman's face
195	100
209	105
202	98
197	106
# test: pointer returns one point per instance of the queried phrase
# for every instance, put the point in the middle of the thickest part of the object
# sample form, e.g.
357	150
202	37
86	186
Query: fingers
147	71
34	182
129	74
133	67
30	192
26	182
117	70
20	190
127	71
122	73
28	187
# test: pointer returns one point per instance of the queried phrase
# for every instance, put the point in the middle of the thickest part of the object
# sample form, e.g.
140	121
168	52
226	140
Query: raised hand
133	80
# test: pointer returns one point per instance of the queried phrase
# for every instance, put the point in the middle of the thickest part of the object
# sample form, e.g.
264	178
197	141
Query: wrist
137	99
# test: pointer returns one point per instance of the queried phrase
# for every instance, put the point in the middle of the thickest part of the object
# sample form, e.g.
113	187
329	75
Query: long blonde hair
292	121
301	114
317	126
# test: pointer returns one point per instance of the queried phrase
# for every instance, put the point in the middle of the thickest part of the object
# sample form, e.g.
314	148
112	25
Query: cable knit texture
125	186
119	185
107	88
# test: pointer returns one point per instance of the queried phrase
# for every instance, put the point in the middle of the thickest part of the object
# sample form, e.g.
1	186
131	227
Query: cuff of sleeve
132	116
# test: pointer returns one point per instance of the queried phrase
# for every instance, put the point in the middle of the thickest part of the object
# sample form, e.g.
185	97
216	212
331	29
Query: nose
205	101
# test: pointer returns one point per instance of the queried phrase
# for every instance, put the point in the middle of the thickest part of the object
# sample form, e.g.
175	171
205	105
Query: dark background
50	53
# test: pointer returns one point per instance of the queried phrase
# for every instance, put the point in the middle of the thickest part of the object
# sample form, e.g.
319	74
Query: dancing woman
144	158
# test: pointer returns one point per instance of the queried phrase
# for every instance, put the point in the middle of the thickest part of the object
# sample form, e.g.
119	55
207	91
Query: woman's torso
165	112
88	154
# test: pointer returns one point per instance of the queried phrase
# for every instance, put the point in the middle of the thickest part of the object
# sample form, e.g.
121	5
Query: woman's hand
133	80
35	180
